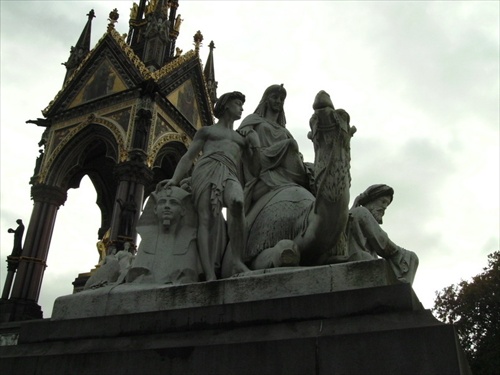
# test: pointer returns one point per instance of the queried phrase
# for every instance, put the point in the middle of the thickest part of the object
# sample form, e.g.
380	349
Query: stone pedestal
80	281
304	321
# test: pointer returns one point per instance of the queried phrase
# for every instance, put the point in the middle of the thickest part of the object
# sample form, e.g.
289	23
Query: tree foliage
474	308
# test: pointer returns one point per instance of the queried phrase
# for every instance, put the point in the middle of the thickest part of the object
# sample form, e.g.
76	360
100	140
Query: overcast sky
420	81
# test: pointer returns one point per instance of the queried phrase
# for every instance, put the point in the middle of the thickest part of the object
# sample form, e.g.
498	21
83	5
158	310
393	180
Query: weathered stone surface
366	238
284	201
9	333
168	252
373	330
215	182
254	286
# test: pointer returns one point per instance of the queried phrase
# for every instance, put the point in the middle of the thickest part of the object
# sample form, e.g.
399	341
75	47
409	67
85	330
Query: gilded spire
153	31
209	73
82	47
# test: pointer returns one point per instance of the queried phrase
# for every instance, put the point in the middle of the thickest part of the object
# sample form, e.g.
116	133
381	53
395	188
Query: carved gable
110	68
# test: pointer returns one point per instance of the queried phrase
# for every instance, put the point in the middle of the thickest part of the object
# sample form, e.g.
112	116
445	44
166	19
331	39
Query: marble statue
168	251
281	162
289	213
113	269
216	183
283	216
17	249
368	241
286	209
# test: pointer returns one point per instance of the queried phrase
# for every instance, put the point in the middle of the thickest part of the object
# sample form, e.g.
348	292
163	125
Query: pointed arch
93	151
166	159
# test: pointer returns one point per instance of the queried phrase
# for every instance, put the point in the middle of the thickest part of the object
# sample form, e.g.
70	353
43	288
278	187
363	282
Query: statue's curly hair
220	104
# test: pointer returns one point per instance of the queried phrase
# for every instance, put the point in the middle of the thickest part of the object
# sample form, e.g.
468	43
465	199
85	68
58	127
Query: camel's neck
331	137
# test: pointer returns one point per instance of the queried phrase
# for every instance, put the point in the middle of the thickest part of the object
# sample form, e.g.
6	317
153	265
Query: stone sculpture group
281	211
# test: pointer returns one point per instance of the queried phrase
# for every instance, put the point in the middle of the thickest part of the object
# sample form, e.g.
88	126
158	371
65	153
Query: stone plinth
254	286
299	322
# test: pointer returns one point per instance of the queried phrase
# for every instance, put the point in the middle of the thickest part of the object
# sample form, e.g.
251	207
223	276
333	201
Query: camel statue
289	226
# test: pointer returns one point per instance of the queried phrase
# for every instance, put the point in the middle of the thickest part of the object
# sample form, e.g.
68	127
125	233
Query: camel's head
329	119
329	125
322	100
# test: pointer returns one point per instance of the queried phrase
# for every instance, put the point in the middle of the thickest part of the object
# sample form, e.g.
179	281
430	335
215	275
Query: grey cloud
490	245
444	69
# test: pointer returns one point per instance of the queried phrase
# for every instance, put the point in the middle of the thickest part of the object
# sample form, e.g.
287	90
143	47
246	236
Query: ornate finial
91	14
198	38
113	18
211	45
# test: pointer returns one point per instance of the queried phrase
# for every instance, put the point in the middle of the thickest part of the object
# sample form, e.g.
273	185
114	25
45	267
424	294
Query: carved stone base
251	286
372	329
14	310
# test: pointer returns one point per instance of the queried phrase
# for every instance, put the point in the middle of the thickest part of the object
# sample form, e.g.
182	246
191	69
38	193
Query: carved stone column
32	263
12	263
133	175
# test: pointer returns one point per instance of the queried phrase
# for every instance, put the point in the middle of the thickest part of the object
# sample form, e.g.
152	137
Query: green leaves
474	308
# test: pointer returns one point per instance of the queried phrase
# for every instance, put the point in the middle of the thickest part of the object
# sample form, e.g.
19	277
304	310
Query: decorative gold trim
131	127
151	7
116	130
174	64
162	141
207	95
129	52
72	76
136	61
152	135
